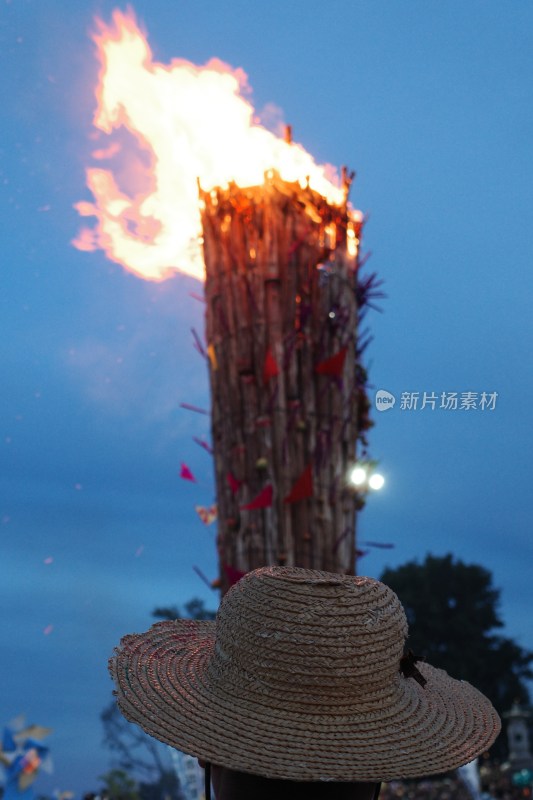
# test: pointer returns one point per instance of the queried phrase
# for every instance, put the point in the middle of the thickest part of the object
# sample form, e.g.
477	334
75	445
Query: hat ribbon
408	667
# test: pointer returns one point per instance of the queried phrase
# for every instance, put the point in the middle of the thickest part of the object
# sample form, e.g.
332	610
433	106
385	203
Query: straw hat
301	677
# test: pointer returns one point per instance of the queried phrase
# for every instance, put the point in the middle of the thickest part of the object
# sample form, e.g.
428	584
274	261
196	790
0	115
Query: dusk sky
431	103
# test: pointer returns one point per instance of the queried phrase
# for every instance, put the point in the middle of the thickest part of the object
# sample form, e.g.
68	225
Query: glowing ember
170	126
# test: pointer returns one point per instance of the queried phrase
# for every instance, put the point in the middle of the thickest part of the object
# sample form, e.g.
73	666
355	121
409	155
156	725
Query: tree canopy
453	613
193	609
119	785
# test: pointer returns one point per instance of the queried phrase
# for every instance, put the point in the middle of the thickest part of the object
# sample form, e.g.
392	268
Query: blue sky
431	103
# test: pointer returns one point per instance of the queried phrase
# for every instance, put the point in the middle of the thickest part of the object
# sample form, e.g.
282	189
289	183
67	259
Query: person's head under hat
302	678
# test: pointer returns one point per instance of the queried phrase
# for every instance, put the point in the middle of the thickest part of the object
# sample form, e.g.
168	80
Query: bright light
376	481
358	476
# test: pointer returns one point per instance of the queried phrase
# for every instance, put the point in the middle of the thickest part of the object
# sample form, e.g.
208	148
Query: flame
166	128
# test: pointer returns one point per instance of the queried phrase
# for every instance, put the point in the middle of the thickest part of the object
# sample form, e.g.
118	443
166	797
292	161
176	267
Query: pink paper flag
186	474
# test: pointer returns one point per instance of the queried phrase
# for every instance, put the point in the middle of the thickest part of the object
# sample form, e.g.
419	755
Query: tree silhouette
137	753
453	616
194	609
118	785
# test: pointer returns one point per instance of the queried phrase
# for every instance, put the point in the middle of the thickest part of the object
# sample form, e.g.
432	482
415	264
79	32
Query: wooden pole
281	319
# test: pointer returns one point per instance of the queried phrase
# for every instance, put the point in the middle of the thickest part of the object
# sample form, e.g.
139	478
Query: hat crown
281	627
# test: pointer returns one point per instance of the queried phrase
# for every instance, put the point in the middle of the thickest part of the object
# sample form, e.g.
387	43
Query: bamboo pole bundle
281	318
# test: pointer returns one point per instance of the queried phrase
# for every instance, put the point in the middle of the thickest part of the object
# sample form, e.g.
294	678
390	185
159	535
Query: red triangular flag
186	474
233	483
302	488
233	575
334	365
262	500
270	367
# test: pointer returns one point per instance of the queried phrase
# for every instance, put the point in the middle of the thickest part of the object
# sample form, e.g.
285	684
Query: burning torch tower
288	399
282	291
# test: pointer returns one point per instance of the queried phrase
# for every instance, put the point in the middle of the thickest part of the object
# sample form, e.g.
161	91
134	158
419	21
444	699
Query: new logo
384	400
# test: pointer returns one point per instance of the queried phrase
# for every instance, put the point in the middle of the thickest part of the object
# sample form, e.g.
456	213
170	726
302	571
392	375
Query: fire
170	127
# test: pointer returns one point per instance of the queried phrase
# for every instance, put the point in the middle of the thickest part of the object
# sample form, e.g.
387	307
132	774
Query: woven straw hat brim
164	684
